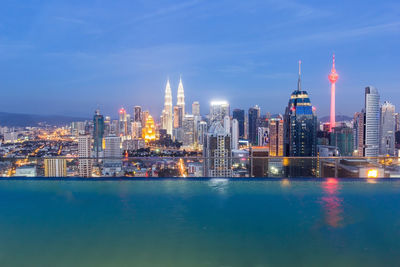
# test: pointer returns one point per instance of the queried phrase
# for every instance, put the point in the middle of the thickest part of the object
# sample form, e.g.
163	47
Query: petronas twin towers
166	117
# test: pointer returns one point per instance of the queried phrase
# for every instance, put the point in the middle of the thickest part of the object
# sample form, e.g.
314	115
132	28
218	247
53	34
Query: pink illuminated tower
333	76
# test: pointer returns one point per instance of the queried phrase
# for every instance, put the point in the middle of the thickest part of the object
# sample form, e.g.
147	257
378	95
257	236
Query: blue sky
70	57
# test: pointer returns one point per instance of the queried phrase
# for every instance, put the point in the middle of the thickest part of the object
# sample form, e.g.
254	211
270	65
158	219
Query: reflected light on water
219	184
285	182
332	204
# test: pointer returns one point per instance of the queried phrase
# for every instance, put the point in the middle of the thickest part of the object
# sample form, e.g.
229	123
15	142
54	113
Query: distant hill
23	120
338	118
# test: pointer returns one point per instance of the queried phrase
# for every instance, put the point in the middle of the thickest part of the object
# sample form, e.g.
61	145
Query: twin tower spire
166	117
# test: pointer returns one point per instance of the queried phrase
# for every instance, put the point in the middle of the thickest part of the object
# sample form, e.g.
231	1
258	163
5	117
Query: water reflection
332	203
219	184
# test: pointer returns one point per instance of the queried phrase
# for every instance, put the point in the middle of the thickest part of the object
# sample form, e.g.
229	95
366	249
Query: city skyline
104	55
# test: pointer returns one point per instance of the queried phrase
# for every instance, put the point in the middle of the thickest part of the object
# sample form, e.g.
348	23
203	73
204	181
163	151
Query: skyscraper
218	111
235	134
227	124
178	117
123	123
166	119
137	113
196	108
181	96
149	130
112	154
188	130
254	115
372	118
217	152
98	133
387	129
84	149
342	138
201	132
359	133
238	114
56	167
276	137
333	76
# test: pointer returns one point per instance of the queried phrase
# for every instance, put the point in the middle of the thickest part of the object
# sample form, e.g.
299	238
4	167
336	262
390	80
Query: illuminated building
387	129
112	155
333	76
201	132
166	117
372	118
218	111
235	134
188	130
136	129
55	167
227	124
217	152
196	108
262	136
84	149
98	133
238	114
122	123
253	116
178	117
300	132
342	138
181	97
137	114
359	133
259	161
149	130
276	137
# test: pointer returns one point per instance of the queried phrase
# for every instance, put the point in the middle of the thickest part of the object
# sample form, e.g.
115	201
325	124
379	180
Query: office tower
181	97
218	111
98	133
145	115
262	136
178	117
227	124
123	123
55	167
136	129
372	118
137	113
235	134
254	114
149	130
333	76
217	152
107	126
276	137
112	154
201	132
84	149
359	134
166	118
387	129
196	108
342	139
397	122
188	130
238	114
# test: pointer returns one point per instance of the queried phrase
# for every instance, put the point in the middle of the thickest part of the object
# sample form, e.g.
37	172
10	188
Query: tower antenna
299	80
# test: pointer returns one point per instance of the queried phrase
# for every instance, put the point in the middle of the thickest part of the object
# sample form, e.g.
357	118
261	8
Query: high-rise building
333	76
136	129
372	118
359	134
254	115
300	132
149	130
387	129
235	134
238	114
218	111
397	121
201	132
262	136
188	130
137	114
181	97
84	149
166	117
217	152
178	117
276	137
123	123
196	108
342	139
227	124
112	154
98	133
56	167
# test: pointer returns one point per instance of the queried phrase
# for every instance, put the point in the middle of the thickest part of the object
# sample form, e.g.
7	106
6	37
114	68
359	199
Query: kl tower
333	76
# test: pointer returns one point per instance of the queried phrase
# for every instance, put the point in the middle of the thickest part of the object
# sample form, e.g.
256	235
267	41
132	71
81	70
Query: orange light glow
373	173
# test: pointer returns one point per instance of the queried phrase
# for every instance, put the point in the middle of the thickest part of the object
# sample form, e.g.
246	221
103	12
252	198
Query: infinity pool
200	223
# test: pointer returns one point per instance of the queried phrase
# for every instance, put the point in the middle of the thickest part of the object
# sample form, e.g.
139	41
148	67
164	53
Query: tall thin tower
333	76
181	96
167	112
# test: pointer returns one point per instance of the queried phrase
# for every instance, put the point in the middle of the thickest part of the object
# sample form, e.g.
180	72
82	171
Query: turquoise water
199	223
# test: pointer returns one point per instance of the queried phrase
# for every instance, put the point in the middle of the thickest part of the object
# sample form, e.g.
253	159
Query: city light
373	173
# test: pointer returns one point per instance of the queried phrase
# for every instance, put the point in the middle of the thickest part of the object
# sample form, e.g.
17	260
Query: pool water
211	222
